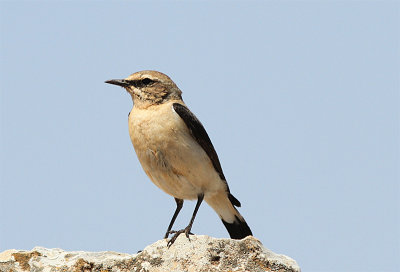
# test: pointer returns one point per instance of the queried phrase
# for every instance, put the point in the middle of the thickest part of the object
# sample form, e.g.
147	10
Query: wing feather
199	133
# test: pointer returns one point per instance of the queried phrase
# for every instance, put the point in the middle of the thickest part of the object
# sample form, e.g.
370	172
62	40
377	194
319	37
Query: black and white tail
224	205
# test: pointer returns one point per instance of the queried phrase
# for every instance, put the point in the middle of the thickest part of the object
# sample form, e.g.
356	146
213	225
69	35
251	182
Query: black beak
119	82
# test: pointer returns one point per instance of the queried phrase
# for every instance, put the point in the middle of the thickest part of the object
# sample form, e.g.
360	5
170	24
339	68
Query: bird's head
149	88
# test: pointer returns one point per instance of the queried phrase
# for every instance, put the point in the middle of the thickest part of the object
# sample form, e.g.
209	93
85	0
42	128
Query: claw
174	231
177	233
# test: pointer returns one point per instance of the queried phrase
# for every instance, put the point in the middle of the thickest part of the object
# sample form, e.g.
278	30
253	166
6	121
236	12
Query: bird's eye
147	81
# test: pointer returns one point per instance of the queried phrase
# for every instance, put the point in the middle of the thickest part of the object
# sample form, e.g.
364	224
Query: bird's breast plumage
169	155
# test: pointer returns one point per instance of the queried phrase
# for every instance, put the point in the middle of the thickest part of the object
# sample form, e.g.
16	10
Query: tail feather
234	222
238	229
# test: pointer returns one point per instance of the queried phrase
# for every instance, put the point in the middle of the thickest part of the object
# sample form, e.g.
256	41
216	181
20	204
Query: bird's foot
173	232
177	233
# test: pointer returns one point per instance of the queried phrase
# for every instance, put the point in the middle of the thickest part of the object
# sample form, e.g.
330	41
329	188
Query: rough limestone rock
201	253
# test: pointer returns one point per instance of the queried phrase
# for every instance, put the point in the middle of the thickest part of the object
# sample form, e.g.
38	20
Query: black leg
189	227
179	204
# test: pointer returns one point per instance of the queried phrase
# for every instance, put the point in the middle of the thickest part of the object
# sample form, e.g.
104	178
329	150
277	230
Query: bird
176	152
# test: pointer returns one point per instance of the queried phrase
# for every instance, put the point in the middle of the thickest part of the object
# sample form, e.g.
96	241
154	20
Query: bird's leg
179	204
189	227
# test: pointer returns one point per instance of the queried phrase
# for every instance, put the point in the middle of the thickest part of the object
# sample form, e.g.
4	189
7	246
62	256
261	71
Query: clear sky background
300	99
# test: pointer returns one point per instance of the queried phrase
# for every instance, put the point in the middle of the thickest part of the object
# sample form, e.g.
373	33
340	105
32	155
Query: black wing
199	133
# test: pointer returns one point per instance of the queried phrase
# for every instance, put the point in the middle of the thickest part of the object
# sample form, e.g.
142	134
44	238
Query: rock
201	253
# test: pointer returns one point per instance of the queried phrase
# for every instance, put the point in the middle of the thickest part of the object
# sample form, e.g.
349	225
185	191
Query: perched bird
175	151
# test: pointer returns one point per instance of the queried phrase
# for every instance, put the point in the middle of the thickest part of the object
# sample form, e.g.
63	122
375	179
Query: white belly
169	155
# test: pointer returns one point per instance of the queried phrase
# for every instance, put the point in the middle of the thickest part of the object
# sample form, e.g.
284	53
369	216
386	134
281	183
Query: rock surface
202	253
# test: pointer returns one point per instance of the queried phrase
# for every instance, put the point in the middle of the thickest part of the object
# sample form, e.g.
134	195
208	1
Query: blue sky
300	99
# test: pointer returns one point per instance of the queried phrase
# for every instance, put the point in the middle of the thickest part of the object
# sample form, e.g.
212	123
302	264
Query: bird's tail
224	204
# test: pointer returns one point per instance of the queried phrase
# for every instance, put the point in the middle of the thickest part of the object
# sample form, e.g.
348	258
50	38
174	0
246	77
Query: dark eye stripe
141	83
147	81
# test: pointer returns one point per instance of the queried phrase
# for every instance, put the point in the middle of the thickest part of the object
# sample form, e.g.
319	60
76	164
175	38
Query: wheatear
175	151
